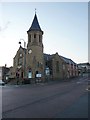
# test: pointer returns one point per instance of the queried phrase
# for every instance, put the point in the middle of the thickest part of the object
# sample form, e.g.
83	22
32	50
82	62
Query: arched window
38	64
34	35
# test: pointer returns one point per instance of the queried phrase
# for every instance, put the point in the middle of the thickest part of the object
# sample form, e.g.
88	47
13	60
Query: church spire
35	24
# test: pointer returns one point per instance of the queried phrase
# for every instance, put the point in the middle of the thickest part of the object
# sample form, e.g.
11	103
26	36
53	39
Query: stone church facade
32	62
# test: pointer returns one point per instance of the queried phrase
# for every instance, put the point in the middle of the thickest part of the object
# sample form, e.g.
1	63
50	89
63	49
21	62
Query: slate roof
35	24
67	60
81	64
47	56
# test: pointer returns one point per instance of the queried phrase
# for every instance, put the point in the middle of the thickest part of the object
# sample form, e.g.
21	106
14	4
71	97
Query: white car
2	83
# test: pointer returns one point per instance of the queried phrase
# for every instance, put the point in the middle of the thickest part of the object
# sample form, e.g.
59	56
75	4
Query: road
46	100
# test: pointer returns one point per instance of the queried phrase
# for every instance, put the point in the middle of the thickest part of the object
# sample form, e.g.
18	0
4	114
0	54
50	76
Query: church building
32	62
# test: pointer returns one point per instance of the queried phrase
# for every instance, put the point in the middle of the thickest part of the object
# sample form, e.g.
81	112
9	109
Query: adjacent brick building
3	73
84	68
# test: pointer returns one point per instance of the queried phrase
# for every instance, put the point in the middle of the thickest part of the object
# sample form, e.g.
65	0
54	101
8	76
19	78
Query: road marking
78	82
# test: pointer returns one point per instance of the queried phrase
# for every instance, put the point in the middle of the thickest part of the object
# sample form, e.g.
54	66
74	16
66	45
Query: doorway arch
29	73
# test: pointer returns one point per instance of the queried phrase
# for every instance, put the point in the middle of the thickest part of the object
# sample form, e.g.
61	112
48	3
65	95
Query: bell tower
35	58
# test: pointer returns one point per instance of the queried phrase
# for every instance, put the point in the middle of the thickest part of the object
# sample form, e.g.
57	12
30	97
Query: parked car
2	83
89	87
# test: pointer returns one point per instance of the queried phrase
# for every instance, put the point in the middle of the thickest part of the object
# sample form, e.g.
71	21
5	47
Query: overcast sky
65	27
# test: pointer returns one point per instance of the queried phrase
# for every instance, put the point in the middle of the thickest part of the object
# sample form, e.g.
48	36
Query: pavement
77	110
46	100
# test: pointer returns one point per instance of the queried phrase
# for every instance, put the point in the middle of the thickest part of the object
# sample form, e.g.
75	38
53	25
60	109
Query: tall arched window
57	66
40	38
34	35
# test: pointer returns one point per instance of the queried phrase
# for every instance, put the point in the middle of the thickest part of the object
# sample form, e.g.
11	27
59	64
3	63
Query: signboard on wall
38	75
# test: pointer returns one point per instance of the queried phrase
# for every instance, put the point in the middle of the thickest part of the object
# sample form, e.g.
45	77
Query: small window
34	35
20	60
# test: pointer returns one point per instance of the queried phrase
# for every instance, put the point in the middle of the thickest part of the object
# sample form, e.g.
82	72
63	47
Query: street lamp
23	41
24	55
30	70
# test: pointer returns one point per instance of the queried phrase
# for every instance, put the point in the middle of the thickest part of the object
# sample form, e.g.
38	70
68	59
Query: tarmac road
49	100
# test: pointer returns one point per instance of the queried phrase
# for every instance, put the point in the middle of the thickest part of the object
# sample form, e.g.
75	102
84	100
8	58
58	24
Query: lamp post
30	70
24	55
23	41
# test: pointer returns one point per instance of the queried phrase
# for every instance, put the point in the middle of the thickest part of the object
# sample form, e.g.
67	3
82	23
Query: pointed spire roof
35	24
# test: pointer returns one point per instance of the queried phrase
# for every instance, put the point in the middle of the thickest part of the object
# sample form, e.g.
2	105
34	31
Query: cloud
6	25
2	28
